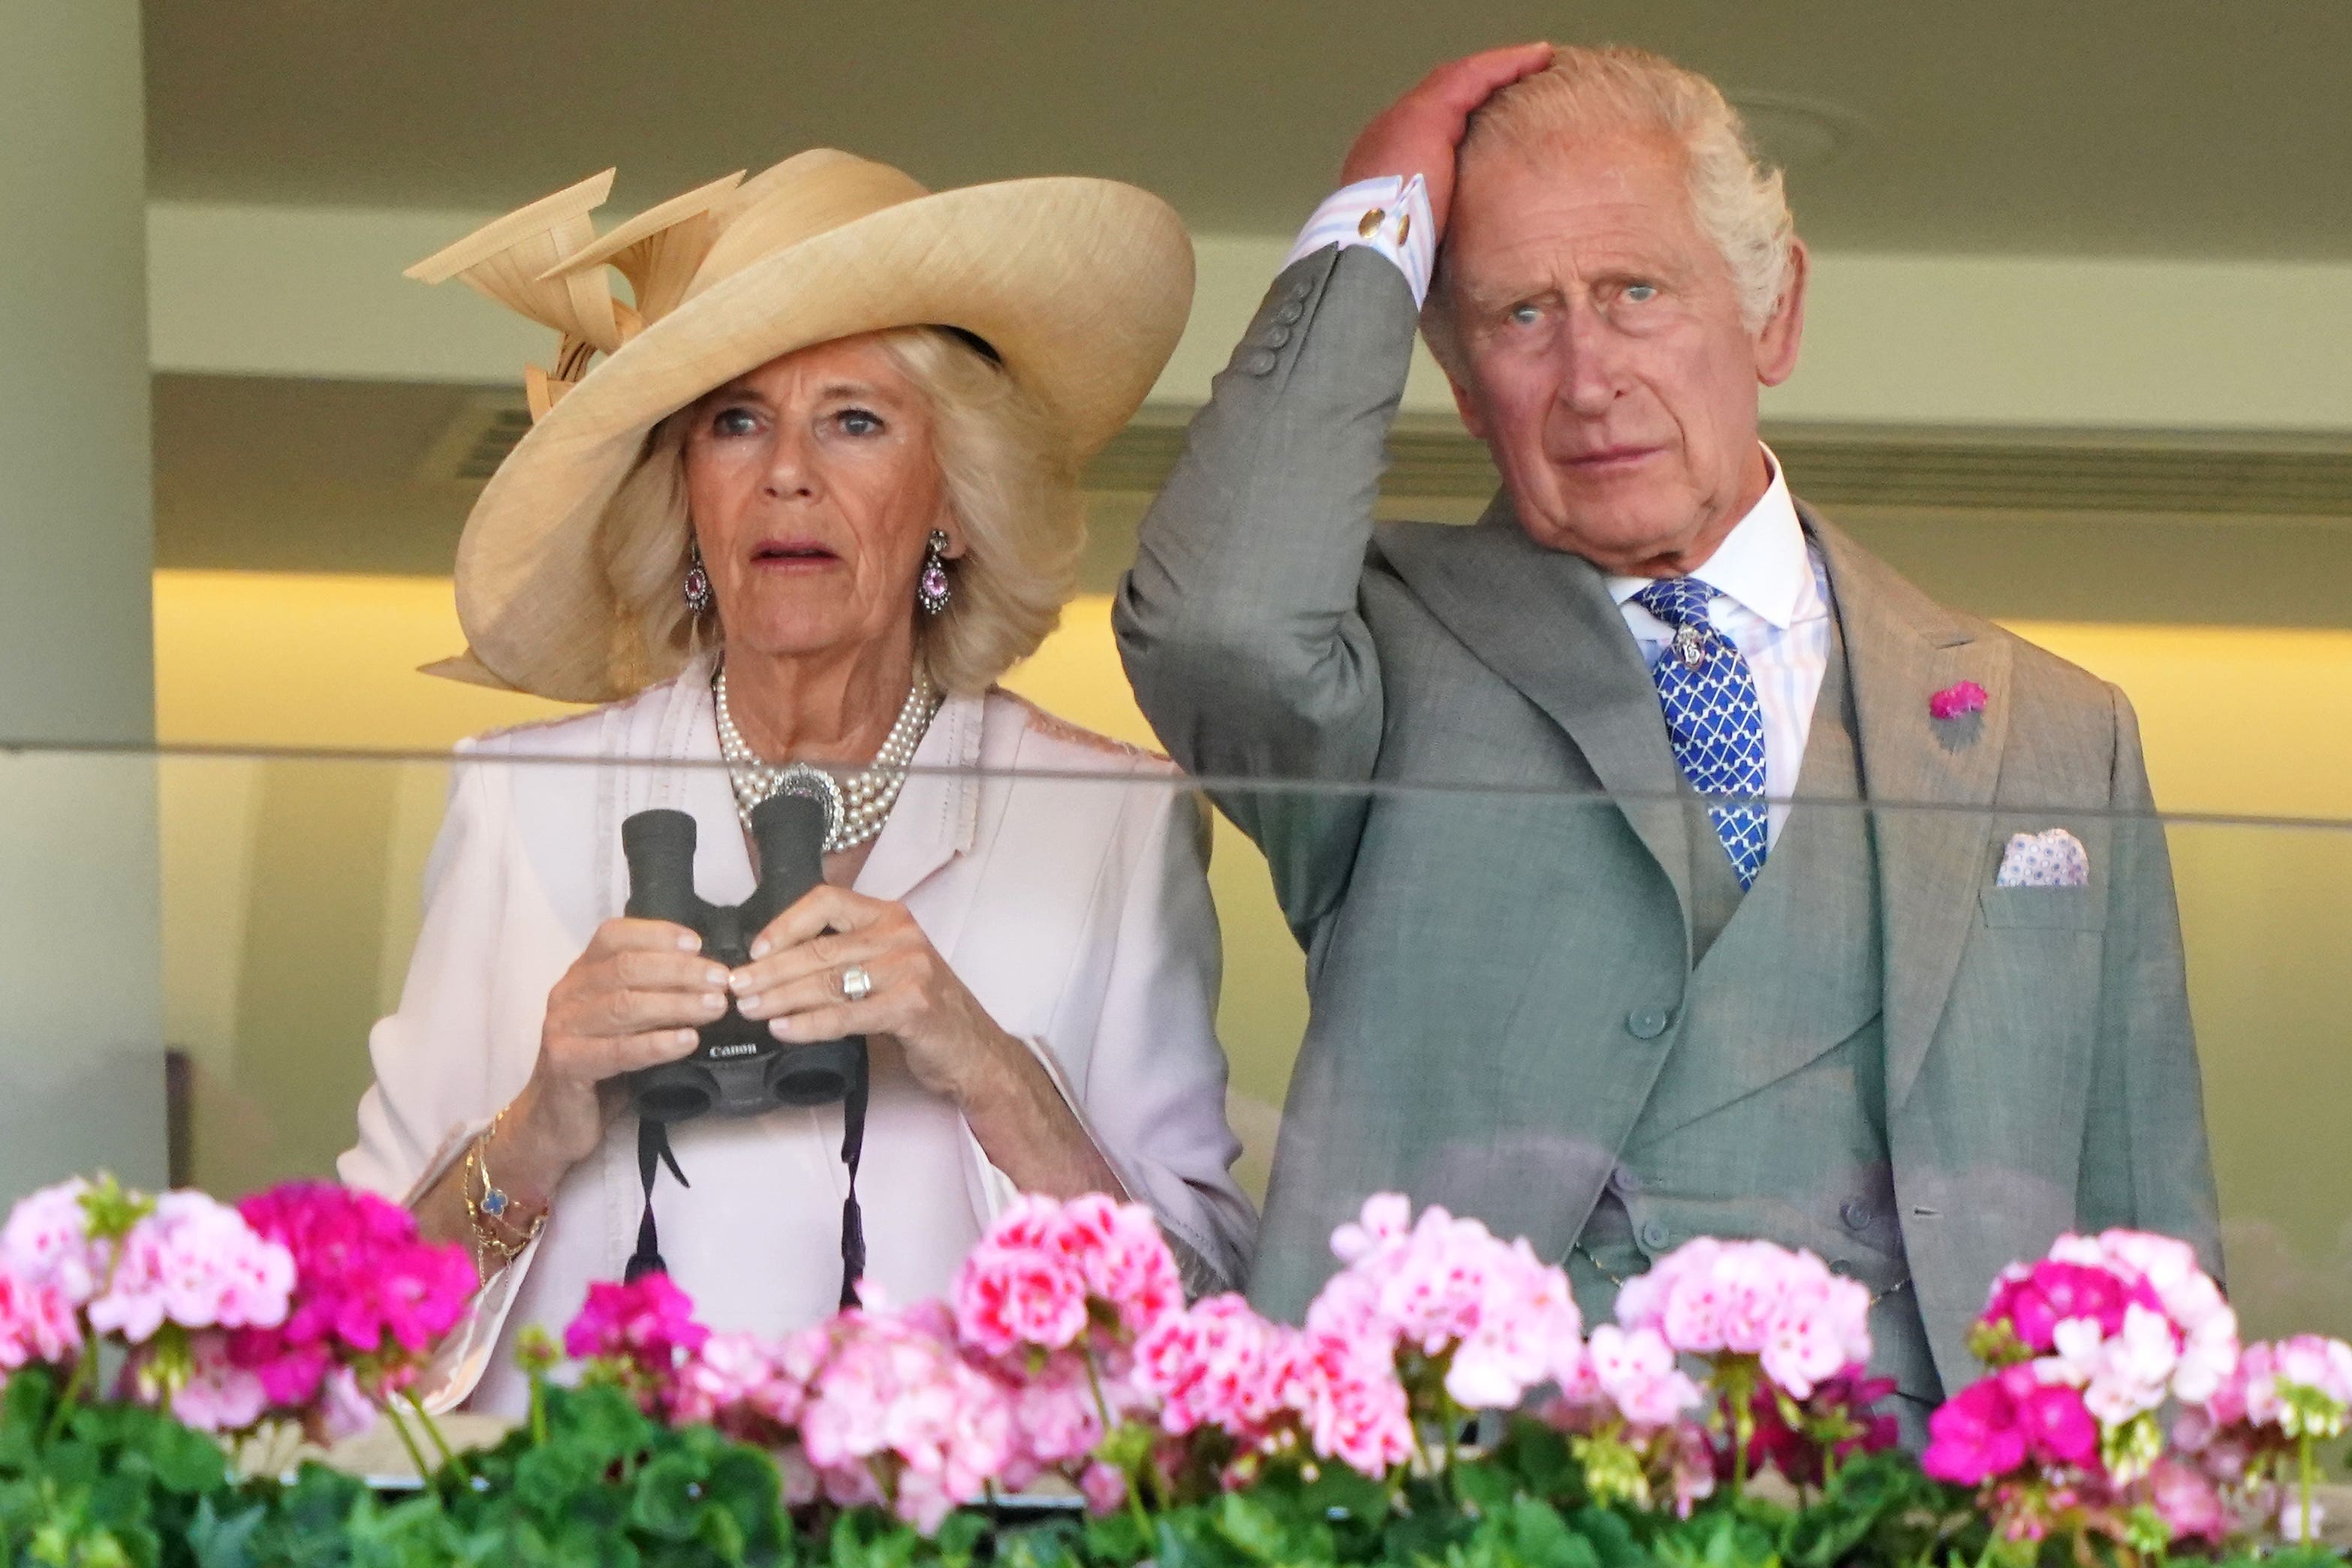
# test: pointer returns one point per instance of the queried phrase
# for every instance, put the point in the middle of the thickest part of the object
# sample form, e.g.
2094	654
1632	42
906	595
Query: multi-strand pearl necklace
855	805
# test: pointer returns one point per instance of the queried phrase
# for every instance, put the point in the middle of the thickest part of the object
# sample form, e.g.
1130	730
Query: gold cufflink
1373	221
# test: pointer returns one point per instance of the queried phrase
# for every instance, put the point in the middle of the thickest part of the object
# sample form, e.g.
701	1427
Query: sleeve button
1291	312
1260	363
1276	337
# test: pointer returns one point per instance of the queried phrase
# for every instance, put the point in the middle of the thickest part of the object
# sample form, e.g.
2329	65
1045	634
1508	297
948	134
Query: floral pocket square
2052	857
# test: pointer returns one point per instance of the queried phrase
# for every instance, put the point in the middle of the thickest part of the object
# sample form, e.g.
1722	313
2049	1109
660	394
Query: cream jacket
1062	877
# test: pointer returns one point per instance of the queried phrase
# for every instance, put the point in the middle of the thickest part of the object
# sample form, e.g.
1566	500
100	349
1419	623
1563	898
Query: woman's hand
795	980
633	1000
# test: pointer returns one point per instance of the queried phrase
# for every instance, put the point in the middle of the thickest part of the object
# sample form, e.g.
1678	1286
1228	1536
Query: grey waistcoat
1768	1118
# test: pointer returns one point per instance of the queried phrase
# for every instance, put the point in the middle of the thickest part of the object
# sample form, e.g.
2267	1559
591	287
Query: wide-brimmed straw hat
1079	288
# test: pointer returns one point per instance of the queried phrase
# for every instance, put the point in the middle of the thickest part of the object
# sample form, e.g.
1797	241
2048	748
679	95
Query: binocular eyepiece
738	1068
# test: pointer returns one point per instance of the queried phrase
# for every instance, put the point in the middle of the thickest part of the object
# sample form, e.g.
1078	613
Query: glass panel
287	899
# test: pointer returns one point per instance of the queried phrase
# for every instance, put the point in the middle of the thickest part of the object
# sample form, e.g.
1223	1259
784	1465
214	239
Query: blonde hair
1010	479
1738	203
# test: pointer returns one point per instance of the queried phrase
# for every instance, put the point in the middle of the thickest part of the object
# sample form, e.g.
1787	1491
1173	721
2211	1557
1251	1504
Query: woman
819	497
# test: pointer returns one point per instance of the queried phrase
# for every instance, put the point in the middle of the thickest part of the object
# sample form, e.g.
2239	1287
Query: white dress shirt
1388	214
1775	596
1773	603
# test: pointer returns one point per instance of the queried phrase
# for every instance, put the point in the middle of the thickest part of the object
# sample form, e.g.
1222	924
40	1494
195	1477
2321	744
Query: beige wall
80	1053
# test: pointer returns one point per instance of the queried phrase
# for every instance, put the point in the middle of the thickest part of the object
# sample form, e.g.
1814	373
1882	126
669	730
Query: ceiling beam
1936	340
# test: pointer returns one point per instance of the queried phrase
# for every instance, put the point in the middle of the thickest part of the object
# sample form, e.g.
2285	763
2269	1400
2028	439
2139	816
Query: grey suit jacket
1496	961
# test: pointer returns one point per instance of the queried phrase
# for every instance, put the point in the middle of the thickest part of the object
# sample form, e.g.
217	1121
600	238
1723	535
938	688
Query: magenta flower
2059	1427
1955	701
368	1292
648	1321
1849	1401
2036	1298
1979	1433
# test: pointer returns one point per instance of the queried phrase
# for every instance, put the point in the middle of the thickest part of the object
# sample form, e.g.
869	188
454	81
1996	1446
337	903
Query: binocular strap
655	1152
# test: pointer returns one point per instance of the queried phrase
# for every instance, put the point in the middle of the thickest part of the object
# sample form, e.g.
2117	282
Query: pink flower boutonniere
1958	701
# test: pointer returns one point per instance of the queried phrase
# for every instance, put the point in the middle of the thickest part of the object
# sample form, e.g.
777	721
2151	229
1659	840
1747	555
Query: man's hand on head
1417	134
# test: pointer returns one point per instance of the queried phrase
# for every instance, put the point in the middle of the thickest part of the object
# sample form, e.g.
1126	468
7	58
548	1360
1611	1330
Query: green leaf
185	1462
1611	1537
1251	1526
1485	1487
667	1499
1539	1537
224	1540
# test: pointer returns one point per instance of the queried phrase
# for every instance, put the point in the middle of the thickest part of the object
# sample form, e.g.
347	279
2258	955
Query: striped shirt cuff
1388	214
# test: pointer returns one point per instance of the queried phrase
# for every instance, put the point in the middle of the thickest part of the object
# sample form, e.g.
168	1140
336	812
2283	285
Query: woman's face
812	486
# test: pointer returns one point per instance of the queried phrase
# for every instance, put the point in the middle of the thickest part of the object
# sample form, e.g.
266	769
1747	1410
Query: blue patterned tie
1713	716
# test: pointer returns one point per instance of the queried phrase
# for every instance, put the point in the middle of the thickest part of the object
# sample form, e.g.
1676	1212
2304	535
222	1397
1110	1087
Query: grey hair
1738	203
1009	478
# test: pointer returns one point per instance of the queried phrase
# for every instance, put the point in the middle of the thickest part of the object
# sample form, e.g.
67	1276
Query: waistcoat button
1646	1023
1623	1179
1654	1236
1855	1212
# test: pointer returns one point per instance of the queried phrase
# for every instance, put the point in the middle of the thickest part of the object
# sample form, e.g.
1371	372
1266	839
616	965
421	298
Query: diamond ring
857	985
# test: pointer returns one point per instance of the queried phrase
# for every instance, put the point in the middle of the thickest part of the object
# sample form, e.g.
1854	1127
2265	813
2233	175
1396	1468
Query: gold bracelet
488	1208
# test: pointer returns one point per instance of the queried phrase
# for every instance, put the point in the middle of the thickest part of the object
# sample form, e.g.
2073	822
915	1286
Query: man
1650	998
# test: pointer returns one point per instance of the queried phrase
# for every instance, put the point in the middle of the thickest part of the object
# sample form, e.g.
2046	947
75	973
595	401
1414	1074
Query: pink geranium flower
1502	1320
1043	1267
196	1263
46	1241
895	1414
1635	1372
216	1394
1354	1407
1212	1365
37	1324
1801	1323
1007	1297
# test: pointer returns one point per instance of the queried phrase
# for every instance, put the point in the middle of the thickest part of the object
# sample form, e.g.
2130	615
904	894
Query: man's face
1606	365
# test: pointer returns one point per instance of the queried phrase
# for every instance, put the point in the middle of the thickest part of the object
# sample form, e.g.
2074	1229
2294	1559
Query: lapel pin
1958	701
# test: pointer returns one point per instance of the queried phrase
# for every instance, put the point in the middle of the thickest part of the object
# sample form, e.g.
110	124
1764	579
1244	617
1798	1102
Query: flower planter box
1723	1420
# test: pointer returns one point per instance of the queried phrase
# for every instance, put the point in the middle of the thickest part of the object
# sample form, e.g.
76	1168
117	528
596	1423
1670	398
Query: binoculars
738	1068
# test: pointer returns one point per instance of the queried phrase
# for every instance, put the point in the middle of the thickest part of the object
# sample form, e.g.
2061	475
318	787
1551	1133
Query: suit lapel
938	813
1901	649
1543	621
